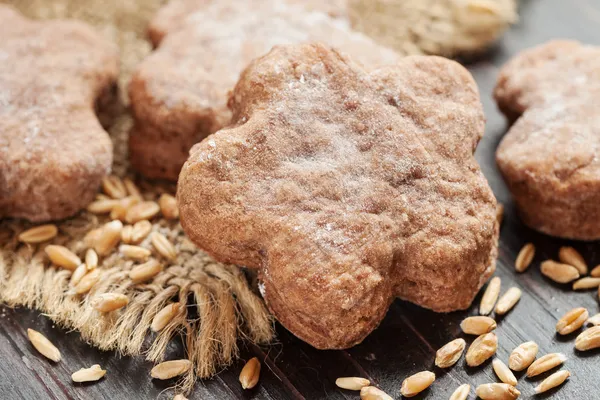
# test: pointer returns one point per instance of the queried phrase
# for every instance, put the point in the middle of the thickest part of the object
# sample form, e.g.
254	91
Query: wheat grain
415	384
120	209
461	392
134	252
146	271
554	380
104	206
163	246
499	213
588	339
561	273
497	391
352	383
503	372
78	274
91	374
508	300
144	210
545	363
168	206
109	237
140	230
595	272
170	369
38	234
570	256
91	259
525	257
490	296
113	186
595	320
62	257
586	283
88	281
90	238
250	373
477	325
482	349
372	393
572	321
164	316
522	356
43	345
126	234
132	189
107	302
180	397
450	353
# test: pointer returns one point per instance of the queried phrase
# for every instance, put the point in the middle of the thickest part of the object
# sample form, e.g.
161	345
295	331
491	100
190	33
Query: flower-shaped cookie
346	189
53	150
550	158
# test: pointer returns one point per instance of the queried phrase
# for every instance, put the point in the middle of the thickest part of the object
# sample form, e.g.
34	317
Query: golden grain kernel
490	296
102	196
170	369
114	187
126	234
91	374
132	189
525	257
140	230
372	393
570	256
497	391
561	273
180	397
119	211
586	283
62	257
168	206
554	380
522	356
415	384
503	372
90	238
508	300
109	237
499	213
91	259
78	274
482	349
38	234
107	302
596	272
450	353
88	281
102	206
144	210
477	325
545	363
164	316
146	271
461	392
588	339
352	383
572	321
134	252
43	345
250	373
163	246
595	320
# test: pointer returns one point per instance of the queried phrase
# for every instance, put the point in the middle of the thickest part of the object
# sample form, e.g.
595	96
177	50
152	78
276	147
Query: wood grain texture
407	339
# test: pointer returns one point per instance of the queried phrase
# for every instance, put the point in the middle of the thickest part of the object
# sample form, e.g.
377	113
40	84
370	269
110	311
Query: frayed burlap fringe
220	307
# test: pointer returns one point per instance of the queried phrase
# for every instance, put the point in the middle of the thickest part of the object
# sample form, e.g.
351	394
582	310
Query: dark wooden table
407	339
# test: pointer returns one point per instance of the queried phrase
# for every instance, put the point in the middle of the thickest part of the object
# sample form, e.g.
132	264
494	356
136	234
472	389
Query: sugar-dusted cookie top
550	158
53	151
179	93
346	189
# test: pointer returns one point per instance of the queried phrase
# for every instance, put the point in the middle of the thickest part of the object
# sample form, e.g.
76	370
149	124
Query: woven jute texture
220	306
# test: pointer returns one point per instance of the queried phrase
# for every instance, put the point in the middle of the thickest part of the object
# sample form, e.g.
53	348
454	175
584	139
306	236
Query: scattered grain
250	373
90	238
545	363
107	302
561	273
62	257
478	325
586	283
595	320
572	321
415	384
78	274
508	300
144	210
109	237
525	257
91	374
38	234
102	206
114	187
140	230
352	383
134	252
499	213
497	391
91	259
119	211
146	271
180	397
164	316
170	369
482	349
372	393
168	206
522	356
43	345
88	281
132	189
450	353
461	392
490	296
163	246
503	372
570	256
554	380
596	272
588	339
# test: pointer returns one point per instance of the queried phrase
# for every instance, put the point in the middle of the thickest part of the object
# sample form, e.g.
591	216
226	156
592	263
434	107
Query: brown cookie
179	93
346	189
550	158
53	150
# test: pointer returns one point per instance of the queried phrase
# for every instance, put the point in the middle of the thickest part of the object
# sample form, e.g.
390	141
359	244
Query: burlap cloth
221	306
